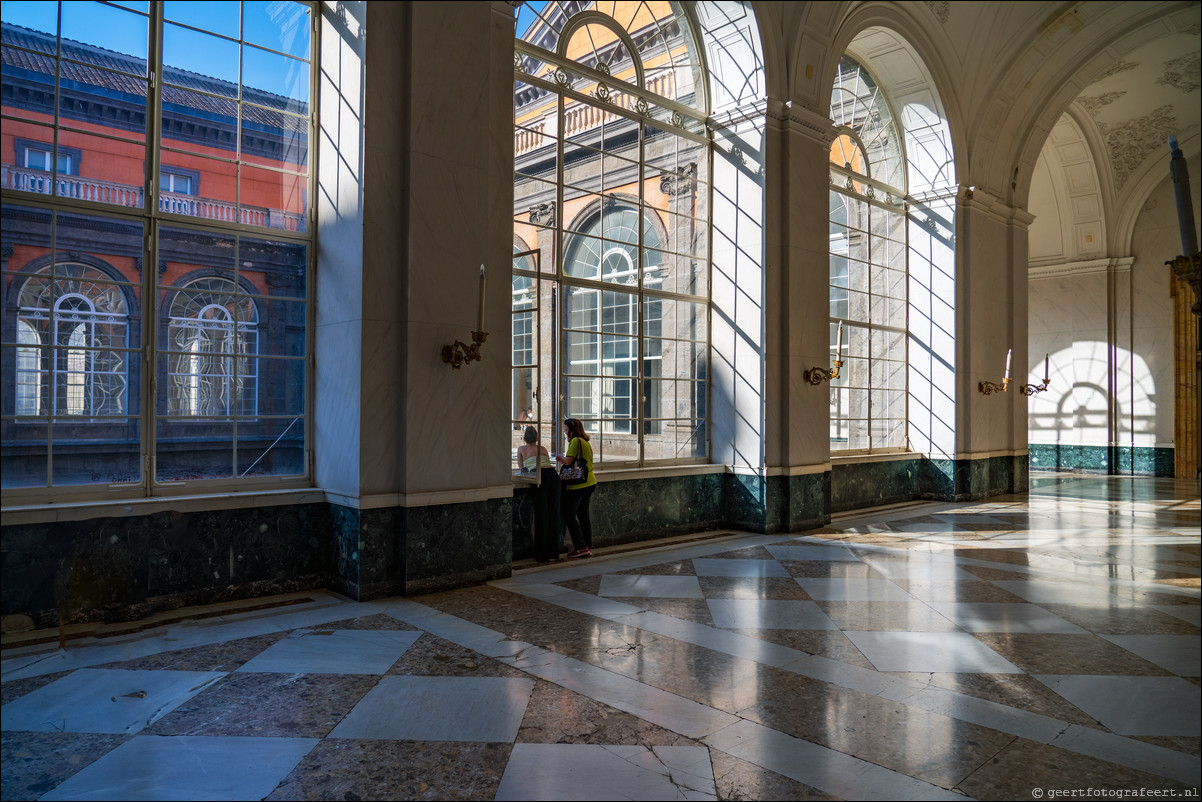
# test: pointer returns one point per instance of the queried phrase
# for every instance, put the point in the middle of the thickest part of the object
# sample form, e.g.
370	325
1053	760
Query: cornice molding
993	206
1120	264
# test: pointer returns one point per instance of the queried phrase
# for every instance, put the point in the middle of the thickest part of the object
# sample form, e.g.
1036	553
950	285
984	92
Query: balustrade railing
581	118
69	186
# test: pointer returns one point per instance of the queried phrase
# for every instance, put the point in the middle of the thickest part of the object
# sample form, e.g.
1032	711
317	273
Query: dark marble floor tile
1010	556
830	569
432	656
749	553
19	687
556	715
958	591
228	656
36	762
1024	766
1067	654
585	584
1122	619
749	587
379	621
982	572
268	705
738	779
1014	690
1150	596
339	769
826	643
677	568
932	747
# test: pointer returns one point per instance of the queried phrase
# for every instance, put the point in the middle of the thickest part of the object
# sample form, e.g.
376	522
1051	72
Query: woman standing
533	457
574	506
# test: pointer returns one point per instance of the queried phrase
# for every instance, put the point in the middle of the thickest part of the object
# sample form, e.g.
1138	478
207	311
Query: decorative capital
1189	270
681	182
543	214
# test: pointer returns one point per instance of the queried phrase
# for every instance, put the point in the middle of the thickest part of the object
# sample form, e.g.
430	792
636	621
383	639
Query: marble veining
882	657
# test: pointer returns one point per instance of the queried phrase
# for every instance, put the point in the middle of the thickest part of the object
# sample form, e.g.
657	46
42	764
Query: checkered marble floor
992	650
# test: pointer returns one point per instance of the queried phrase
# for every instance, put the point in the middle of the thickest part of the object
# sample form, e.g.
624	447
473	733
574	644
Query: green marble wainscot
633	510
368	553
448	546
1137	460
809	501
855	485
747	501
125	568
796	503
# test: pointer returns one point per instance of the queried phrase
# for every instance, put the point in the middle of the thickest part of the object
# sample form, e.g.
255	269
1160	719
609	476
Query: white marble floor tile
1004	617
953	652
1181	654
732	567
187	767
922	570
768	614
341	651
104	700
589	771
839	589
1133	705
411	708
652	587
821	767
812	553
1059	592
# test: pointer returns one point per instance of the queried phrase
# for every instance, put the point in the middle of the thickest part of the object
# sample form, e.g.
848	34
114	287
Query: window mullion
150	275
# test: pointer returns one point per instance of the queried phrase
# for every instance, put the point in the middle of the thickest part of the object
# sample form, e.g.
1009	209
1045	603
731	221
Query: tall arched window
611	189
868	270
213	340
73	332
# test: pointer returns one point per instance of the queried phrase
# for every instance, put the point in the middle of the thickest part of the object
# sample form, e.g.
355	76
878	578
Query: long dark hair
575	428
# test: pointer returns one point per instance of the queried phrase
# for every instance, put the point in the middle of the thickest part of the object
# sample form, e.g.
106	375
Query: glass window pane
107	27
218	16
271	447
200	61
284	27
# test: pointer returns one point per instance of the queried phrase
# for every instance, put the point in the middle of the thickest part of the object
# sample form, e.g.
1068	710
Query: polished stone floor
1005	649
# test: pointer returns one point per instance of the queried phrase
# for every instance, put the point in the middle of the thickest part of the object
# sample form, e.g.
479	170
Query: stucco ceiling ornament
1133	141
1182	73
941	9
1116	68
1094	104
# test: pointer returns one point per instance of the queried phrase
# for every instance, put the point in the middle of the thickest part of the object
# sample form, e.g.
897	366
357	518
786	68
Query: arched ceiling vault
1131	69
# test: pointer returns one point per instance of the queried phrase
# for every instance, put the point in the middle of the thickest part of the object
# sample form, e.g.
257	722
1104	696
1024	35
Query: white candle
1009	354
480	324
1045	368
839	342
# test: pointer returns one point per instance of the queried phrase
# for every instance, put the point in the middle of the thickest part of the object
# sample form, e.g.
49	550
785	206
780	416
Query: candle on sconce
1009	354
1045	368
839	342
480	324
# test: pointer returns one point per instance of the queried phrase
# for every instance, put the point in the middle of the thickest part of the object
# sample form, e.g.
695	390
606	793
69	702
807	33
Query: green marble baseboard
1117	460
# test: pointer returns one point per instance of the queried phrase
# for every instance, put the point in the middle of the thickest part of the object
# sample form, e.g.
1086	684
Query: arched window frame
212	366
596	98
72	358
868	295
